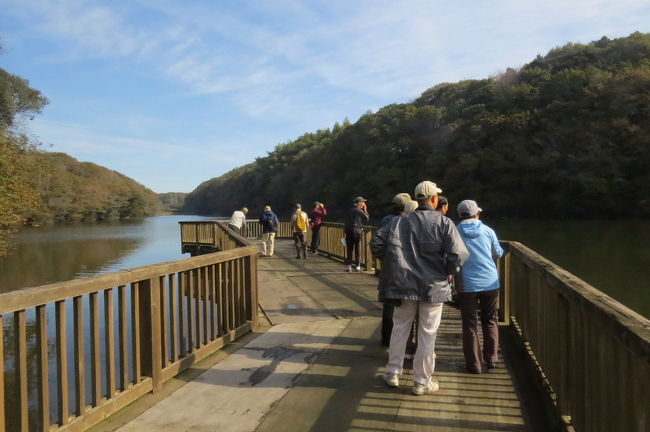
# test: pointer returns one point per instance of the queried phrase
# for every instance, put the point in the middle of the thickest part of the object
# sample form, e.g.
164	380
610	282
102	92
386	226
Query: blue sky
172	93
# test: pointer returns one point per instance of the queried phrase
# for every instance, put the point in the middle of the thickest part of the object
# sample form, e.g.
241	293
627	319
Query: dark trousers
352	243
486	302
301	246
315	238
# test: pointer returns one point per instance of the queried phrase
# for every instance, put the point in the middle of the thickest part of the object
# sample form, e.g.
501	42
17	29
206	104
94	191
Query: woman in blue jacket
478	286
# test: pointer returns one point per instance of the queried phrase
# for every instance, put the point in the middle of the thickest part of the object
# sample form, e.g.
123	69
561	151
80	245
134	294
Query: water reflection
62	253
613	256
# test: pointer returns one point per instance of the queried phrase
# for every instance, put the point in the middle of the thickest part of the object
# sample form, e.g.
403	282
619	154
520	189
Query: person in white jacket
299	224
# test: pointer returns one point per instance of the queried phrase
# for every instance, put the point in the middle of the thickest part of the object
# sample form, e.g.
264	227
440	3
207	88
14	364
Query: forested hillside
567	135
73	191
40	187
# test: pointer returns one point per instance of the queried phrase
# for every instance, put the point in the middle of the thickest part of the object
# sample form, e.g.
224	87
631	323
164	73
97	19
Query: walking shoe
490	365
349	269
391	380
421	389
358	268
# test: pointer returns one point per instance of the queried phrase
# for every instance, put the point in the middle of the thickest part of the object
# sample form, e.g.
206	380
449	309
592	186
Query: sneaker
491	365
421	389
349	269
358	268
391	380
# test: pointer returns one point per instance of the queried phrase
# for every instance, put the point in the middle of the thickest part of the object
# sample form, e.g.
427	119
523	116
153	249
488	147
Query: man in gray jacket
419	252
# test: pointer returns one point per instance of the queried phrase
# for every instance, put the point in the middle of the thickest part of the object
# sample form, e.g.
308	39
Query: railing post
251	290
150	332
367	235
503	269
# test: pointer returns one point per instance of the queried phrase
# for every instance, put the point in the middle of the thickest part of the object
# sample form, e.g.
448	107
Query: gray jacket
418	251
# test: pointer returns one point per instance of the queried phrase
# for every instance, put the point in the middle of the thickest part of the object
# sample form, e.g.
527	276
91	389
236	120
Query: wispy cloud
380	48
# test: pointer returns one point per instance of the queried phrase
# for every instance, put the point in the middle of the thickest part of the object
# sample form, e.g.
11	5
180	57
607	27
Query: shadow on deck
316	366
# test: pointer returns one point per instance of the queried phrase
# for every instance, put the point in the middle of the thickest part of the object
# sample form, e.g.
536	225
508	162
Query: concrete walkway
318	367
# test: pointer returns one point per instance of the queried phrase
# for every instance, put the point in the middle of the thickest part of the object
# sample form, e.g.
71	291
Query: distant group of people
423	255
425	258
299	222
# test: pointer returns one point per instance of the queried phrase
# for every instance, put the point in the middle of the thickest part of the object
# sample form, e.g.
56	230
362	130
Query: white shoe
358	268
391	380
421	389
349	269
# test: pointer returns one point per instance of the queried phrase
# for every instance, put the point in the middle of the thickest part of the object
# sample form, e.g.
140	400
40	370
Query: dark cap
359	199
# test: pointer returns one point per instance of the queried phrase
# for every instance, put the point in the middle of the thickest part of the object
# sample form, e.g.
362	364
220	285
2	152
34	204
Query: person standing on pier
353	228
317	216
419	251
238	221
478	286
299	223
398	202
269	222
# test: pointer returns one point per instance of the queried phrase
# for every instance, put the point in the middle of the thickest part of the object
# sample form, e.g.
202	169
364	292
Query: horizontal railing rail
73	352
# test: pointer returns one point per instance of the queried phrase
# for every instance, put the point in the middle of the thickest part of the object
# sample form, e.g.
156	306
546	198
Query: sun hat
401	199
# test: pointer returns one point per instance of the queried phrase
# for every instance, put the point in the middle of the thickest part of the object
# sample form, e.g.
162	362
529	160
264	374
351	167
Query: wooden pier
286	344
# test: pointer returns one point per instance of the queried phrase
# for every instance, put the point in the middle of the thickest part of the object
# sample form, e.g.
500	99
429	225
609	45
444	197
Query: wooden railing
78	351
591	352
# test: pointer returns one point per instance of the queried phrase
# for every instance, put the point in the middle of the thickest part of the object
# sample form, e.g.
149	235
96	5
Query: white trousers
268	241
425	357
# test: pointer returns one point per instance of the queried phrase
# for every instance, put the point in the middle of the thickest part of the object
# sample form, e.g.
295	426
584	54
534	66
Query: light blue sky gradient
173	93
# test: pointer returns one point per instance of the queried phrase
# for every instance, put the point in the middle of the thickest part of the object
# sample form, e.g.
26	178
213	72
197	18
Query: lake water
613	256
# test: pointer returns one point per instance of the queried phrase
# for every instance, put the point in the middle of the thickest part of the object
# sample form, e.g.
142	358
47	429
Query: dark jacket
357	217
265	222
418	251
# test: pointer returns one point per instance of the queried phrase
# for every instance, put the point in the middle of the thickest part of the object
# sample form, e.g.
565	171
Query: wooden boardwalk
316	366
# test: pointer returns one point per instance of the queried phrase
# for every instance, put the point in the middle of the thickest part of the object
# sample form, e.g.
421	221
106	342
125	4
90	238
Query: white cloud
381	48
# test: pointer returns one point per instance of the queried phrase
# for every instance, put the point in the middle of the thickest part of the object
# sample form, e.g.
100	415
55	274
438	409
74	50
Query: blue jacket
264	221
479	272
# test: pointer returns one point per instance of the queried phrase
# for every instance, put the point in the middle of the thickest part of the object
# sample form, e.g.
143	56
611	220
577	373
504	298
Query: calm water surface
613	256
60	253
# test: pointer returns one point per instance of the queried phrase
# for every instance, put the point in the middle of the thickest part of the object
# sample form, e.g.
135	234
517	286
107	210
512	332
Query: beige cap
410	206
401	198
426	189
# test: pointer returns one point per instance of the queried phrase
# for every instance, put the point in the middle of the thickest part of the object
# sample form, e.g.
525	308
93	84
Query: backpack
268	221
271	221
301	223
